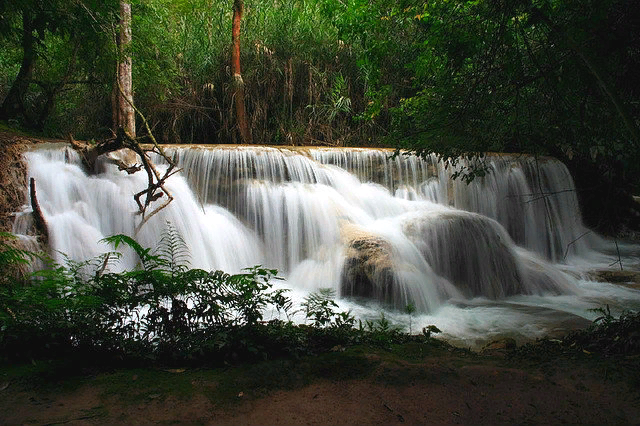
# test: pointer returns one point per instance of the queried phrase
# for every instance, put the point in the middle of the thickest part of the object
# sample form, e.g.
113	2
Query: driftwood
155	189
90	153
38	217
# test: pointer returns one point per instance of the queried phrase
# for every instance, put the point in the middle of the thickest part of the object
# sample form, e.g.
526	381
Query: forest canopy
454	77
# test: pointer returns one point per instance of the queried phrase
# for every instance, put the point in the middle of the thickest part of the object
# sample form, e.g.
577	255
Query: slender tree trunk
241	114
122	96
13	105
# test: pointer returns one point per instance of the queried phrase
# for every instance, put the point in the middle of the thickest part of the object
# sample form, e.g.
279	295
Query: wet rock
471	251
368	268
631	278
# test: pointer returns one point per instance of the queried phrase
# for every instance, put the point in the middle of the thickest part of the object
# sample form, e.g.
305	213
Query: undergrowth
607	336
164	312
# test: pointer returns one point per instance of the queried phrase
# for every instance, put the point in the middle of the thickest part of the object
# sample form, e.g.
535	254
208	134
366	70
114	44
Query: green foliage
410	310
181	69
429	330
59	61
319	306
608	335
460	78
337	103
164	311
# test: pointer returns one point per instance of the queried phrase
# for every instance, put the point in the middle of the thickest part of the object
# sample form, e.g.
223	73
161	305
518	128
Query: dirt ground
370	389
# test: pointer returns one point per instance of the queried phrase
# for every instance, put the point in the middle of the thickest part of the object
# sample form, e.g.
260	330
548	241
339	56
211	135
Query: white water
443	245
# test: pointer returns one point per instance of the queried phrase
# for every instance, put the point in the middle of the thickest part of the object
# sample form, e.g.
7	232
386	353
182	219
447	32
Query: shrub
163	311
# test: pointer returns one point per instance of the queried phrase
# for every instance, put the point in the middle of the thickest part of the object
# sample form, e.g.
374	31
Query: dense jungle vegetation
459	78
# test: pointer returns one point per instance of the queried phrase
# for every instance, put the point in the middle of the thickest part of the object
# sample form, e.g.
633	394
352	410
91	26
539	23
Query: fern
319	306
10	255
148	260
173	251
172	254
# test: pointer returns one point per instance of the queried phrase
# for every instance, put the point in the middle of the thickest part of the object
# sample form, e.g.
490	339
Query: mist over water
504	255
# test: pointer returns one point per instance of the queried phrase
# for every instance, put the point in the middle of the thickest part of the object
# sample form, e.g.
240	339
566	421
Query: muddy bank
409	384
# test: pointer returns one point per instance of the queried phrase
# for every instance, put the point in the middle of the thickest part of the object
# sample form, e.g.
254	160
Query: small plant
383	325
344	320
319	306
410	309
338	102
430	329
605	317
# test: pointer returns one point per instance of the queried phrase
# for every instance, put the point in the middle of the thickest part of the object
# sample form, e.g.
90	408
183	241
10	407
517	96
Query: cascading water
382	232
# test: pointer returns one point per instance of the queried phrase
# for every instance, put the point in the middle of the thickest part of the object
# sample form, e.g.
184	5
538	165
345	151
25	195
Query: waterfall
390	231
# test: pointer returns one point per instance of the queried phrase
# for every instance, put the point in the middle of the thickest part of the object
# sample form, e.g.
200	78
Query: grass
223	385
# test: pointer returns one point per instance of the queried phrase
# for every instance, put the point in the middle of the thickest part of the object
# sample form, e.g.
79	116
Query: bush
163	311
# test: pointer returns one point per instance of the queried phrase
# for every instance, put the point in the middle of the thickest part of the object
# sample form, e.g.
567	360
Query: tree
124	112
122	98
13	104
58	44
241	114
531	76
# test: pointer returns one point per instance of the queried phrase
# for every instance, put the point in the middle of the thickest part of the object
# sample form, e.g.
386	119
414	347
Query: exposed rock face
368	268
448	240
468	255
13	178
13	197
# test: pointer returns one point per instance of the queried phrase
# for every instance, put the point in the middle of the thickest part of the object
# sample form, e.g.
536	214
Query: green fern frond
10	255
125	240
173	250
149	261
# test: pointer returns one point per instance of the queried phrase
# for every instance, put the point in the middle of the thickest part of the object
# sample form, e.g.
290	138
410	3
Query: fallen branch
156	182
38	217
155	189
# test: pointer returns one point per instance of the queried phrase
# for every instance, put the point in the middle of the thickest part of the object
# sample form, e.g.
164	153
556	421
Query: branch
149	167
38	217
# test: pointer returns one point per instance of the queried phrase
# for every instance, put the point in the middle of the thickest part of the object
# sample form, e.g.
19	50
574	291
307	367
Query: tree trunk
122	97
238	93
13	105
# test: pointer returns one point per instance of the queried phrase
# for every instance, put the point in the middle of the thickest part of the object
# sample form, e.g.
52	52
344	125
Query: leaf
118	239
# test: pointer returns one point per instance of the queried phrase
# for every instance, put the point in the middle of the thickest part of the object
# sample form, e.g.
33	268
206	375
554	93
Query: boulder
471	251
368	266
